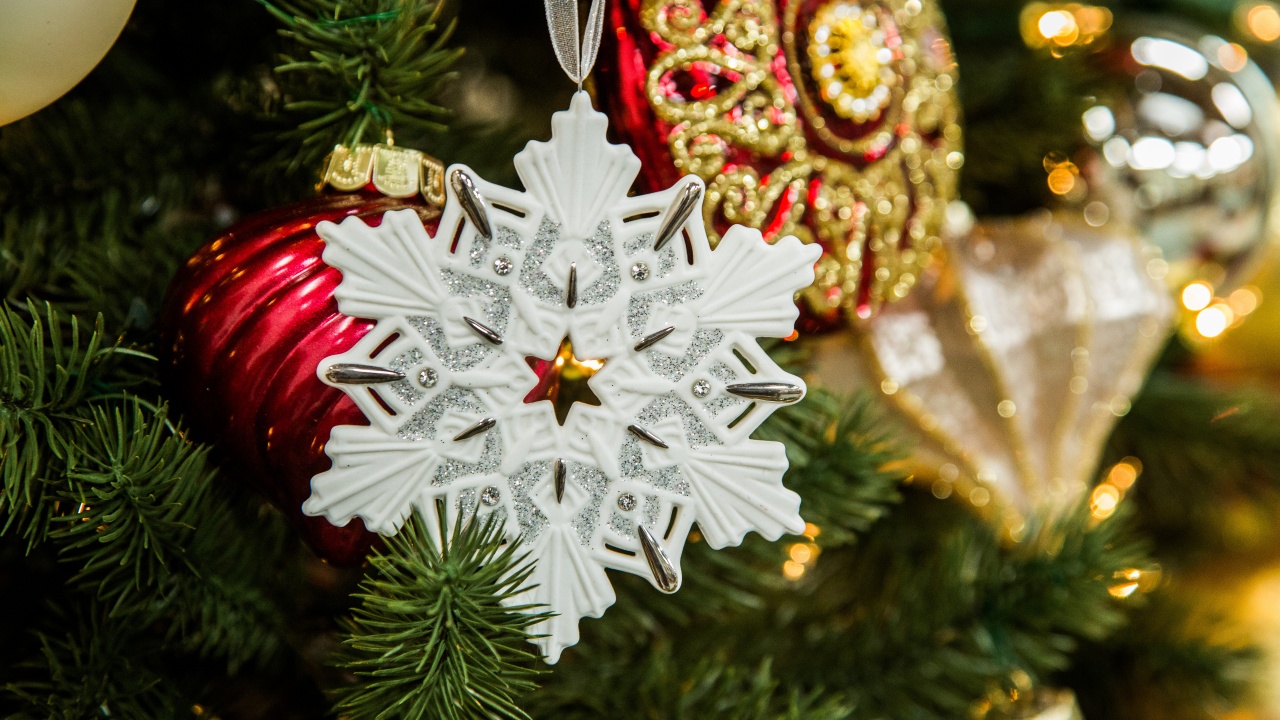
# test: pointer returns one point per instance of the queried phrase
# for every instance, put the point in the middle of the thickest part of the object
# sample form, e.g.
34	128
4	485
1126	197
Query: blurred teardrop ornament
50	45
1185	141
251	314
1013	362
832	120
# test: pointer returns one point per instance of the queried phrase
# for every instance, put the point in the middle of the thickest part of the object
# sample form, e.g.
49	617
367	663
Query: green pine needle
845	458
47	370
431	637
91	667
130	498
357	70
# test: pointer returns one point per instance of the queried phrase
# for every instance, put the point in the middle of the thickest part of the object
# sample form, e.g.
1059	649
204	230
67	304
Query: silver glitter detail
640	271
631	462
491	496
675	367
695	432
637	244
722	403
642	304
671	480
620	523
651	507
597	486
450	469
627	502
496	306
495	299
422	424
641	244
532	279
600	249
509	238
406	392
503	265
479	251
531	520
458	359
428	377
466	504
666	262
701	388
723	373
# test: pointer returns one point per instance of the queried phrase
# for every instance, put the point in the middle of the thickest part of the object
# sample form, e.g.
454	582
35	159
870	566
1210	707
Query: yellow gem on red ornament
849	61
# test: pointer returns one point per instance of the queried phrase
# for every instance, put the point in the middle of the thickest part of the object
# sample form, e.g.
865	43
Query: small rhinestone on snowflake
701	389
490	496
640	271
428	378
503	265
627	502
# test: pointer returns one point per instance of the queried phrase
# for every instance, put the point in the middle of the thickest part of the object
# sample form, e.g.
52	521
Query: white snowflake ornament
632	285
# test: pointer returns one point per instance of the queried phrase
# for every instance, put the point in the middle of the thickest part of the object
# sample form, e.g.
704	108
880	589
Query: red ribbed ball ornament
246	322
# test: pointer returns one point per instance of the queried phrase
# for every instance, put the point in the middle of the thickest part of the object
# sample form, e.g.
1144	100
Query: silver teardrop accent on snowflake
471	201
688	199
354	374
770	392
664	573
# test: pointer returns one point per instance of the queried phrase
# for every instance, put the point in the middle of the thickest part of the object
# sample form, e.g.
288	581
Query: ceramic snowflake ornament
509	281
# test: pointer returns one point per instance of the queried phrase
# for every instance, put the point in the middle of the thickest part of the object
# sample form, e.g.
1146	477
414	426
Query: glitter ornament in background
832	120
1013	363
571	272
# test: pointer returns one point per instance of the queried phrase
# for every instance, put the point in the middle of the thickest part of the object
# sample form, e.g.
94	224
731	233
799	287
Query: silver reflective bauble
1185	150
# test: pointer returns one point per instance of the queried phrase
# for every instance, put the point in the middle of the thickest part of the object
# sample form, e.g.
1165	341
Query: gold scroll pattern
866	168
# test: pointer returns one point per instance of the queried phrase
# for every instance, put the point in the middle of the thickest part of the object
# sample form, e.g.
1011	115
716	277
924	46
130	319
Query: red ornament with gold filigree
251	315
831	120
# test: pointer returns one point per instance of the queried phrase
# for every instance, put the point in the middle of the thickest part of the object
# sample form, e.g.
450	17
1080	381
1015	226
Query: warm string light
1107	495
1064	176
1133	580
1209	316
1260	20
802	554
1061	25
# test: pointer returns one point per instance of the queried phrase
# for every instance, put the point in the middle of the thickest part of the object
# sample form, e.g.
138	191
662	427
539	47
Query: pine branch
931	613
356	70
845	461
91	667
842	464
134	488
658	683
237	603
431	638
1210	462
46	372
1167	664
101	205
